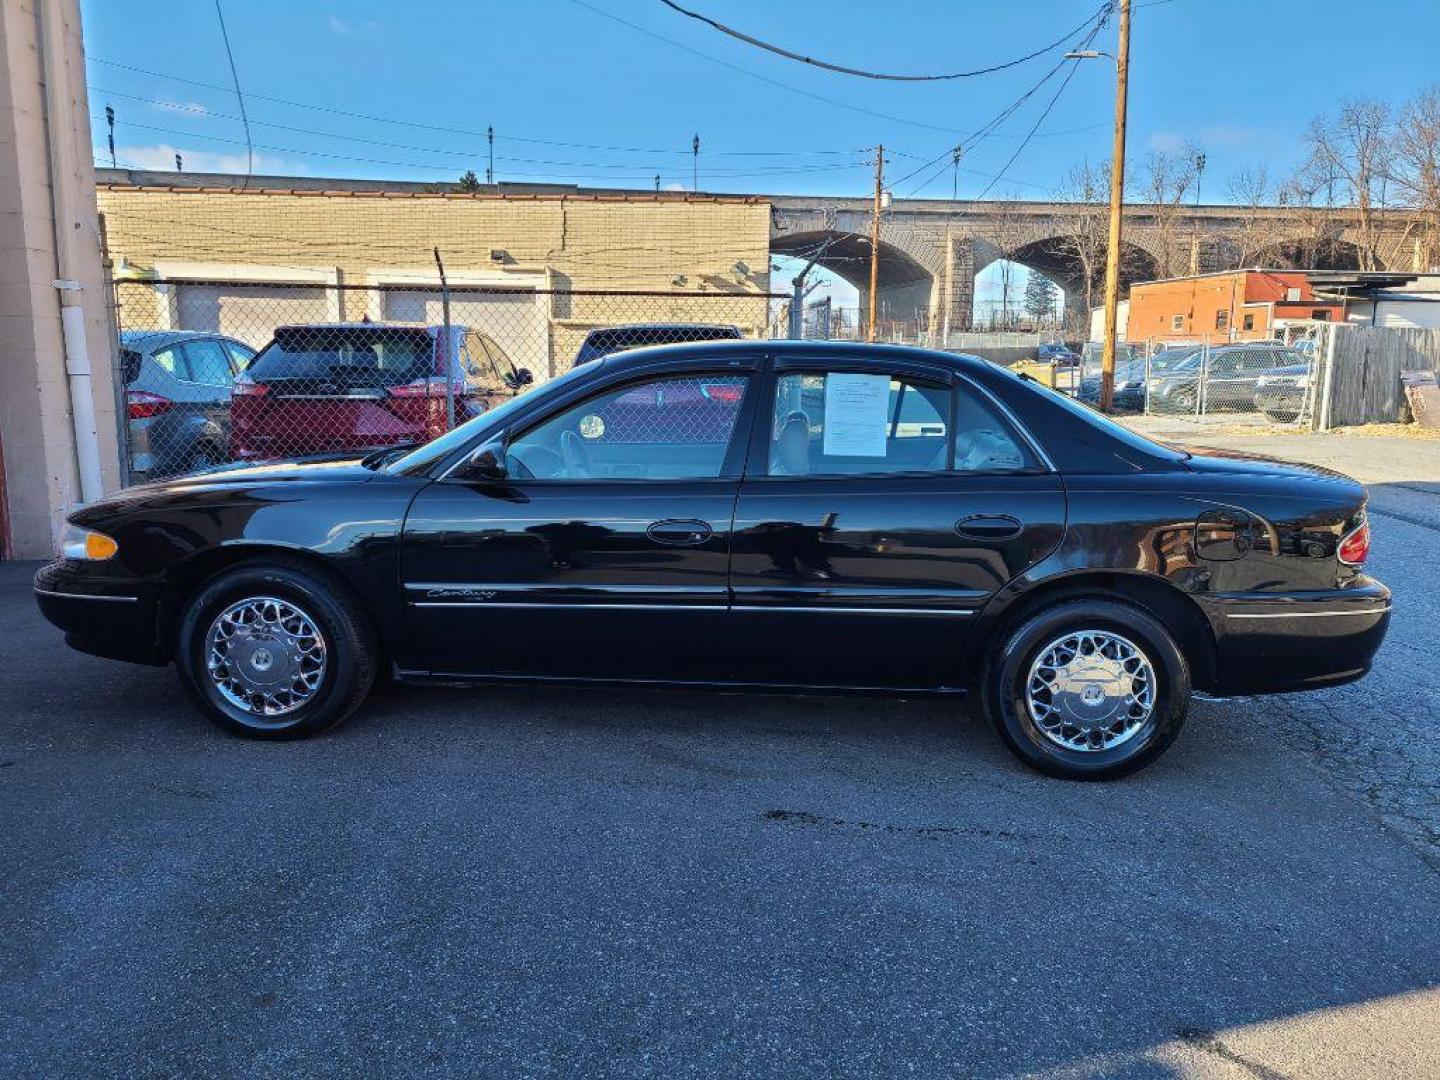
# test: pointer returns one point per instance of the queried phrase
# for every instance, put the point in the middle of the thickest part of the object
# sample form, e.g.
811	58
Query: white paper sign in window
856	415
856	411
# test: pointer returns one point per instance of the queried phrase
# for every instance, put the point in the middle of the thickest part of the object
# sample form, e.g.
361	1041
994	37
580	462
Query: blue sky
561	79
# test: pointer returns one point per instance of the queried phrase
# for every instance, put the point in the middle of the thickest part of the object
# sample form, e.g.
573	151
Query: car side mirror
488	462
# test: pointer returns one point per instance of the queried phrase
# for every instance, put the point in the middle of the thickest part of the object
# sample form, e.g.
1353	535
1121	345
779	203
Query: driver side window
675	428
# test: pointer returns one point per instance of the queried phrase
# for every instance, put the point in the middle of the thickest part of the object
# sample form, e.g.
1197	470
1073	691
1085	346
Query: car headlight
78	543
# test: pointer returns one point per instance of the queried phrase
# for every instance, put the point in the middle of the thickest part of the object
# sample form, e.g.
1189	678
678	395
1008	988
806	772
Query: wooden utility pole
875	238
1117	206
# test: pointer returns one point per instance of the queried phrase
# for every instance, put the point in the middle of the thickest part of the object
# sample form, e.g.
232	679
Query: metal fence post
449	344
1327	377
1204	378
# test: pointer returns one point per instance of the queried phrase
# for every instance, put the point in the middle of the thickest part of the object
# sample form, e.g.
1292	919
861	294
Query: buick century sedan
748	513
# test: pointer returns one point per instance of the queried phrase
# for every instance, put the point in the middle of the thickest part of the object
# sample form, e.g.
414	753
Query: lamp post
1117	202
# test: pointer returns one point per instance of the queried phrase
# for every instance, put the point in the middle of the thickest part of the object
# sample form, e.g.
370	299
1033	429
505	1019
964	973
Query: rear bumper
100	617
1271	644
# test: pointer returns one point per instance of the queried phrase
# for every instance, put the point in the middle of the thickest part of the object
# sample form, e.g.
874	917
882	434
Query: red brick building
1232	305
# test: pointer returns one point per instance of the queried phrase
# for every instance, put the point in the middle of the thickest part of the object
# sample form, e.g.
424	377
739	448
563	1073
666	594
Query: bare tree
1086	188
1350	155
1252	192
1416	169
1009	230
1166	179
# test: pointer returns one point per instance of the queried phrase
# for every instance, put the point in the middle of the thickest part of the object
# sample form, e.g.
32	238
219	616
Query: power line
761	78
239	97
890	76
724	173
1026	141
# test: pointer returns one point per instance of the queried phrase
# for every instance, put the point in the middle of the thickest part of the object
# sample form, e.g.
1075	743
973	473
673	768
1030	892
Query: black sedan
776	514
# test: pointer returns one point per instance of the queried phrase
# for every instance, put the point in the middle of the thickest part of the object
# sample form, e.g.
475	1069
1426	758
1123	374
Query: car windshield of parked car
345	358
1175	359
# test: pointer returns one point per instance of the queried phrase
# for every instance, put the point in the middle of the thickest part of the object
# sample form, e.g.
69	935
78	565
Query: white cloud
1167	142
192	109
161	158
345	28
1228	136
674	187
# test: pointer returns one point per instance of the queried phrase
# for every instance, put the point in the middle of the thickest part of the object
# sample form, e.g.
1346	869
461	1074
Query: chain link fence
222	371
1263	382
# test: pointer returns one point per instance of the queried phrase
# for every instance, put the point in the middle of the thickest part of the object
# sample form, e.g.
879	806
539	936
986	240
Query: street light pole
1117	205
875	237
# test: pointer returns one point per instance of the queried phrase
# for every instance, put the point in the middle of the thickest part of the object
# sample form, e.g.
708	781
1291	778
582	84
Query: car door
883	506
604	552
211	375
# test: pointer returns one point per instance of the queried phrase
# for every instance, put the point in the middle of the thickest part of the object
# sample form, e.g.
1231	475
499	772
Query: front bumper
113	619
1276	643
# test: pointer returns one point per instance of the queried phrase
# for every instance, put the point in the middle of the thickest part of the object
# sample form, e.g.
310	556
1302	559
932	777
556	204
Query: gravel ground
561	882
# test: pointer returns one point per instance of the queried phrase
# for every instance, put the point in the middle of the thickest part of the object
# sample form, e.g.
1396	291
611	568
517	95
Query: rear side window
170	361
209	363
831	423
346	356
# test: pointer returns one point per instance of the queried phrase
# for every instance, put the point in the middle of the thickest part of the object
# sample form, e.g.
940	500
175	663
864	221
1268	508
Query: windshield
354	356
422	458
1100	420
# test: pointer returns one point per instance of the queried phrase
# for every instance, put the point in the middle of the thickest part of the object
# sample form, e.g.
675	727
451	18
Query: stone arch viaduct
931	250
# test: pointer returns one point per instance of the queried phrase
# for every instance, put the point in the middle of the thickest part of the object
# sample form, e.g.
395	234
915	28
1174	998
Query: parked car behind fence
342	387
177	399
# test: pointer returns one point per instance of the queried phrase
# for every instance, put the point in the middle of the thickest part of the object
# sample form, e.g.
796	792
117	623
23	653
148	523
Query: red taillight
1355	548
729	393
249	389
141	404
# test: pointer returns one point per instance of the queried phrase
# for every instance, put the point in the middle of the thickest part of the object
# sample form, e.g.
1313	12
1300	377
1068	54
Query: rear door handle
989	527
685	532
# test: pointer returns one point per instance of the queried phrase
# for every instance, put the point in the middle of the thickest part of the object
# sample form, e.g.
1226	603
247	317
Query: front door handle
989	527
685	532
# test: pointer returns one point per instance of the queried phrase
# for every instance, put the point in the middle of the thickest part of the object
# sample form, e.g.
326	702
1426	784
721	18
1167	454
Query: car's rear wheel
1089	689
275	651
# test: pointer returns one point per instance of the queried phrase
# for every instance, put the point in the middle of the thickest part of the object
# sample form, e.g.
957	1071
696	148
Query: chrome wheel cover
265	656
1090	690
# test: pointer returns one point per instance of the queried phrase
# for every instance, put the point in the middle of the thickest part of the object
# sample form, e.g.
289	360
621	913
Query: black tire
1281	416
349	647
1007	675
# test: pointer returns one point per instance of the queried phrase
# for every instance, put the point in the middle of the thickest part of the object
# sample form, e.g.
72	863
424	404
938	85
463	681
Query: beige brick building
242	261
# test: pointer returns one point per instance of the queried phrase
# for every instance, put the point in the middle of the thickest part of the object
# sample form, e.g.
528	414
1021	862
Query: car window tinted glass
830	423
209	363
662	429
479	361
170	361
984	440
240	355
346	357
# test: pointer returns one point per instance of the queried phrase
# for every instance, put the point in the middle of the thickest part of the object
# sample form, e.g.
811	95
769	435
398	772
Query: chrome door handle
989	527
685	532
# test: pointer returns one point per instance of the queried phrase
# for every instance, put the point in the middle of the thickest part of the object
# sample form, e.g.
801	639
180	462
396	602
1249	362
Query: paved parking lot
561	882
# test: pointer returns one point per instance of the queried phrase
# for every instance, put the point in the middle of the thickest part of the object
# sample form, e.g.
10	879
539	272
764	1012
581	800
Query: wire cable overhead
862	73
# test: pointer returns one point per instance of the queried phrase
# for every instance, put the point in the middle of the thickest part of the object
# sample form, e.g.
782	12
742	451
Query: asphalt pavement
564	882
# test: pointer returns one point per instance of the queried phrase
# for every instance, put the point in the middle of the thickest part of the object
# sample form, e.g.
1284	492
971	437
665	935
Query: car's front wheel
1088	689
275	651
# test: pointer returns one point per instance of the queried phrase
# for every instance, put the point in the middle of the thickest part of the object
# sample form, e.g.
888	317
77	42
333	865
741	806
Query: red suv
338	387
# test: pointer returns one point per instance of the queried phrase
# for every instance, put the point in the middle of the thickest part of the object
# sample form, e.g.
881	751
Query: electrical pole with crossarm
875	238
1117	207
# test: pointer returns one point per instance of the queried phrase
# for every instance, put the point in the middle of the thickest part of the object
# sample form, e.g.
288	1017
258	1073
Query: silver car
177	398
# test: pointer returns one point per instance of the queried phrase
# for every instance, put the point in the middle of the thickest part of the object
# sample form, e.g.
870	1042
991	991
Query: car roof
372	325
621	328
700	352
146	340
